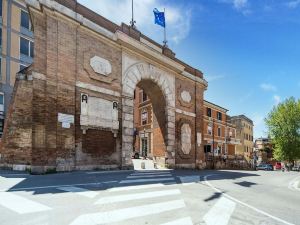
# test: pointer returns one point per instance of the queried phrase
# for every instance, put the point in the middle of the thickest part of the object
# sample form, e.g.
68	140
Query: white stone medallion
186	135
100	65
186	96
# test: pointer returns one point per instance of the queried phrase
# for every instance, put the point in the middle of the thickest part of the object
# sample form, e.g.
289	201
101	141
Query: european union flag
159	17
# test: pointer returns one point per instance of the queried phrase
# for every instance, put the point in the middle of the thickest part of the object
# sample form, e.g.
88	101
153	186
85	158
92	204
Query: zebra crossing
157	194
140	197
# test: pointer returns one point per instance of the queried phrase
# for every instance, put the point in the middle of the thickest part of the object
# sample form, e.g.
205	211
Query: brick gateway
73	107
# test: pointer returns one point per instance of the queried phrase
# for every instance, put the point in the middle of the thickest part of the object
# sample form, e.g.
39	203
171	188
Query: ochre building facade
73	108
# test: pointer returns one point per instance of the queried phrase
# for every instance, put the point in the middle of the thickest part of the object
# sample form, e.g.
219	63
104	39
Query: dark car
264	167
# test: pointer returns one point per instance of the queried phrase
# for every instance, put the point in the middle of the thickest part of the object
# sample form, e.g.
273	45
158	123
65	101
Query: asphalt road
167	197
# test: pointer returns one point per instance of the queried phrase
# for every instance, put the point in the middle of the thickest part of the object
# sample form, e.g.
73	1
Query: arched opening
159	86
150	122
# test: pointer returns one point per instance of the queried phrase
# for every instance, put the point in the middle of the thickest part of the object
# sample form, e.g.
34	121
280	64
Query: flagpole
165	38
132	22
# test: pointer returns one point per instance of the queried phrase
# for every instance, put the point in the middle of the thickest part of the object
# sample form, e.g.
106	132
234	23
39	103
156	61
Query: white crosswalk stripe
150	173
182	221
20	204
138	187
131	197
145	176
128	213
142	180
80	191
220	213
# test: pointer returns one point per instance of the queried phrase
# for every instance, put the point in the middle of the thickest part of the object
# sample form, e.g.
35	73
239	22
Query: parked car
278	166
296	168
264	167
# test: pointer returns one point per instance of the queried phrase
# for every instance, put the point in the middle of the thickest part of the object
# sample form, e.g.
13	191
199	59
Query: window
209	130
208	112
219	116
1	103
25	22
26	47
219	131
1	36
0	7
144	117
144	96
1	99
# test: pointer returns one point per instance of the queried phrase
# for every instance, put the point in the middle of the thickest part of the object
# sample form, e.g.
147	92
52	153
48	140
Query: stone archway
133	75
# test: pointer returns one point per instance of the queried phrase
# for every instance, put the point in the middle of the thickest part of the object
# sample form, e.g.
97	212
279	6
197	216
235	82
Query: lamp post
213	142
143	143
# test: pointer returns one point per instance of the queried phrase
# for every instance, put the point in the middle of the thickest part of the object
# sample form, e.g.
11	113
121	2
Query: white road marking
20	204
127	213
245	204
109	171
294	184
80	191
130	197
220	213
137	187
182	221
57	186
146	180
188	180
158	175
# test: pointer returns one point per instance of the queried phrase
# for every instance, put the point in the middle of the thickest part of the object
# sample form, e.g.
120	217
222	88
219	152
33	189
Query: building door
144	147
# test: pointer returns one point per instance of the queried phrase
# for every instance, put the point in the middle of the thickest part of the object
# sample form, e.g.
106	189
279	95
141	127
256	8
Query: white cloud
239	5
277	99
211	78
268	87
178	18
293	4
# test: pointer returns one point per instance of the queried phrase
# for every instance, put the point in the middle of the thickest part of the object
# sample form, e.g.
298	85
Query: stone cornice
194	78
132	43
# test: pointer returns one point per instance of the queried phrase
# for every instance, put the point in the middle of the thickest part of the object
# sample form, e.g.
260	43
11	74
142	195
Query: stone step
140	164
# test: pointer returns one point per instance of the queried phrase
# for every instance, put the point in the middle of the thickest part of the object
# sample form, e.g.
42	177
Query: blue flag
159	17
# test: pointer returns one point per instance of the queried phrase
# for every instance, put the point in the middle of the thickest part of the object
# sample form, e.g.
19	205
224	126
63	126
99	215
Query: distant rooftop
242	117
215	105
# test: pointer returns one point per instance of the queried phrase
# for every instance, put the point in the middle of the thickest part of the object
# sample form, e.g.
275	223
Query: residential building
219	133
263	150
244	132
16	41
148	138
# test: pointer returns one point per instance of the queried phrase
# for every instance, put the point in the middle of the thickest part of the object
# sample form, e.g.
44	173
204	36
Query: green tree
283	123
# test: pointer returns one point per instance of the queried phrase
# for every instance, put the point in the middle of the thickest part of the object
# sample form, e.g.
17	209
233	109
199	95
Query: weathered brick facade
73	108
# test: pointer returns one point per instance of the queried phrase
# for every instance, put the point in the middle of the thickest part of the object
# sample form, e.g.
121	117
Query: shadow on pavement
93	181
246	183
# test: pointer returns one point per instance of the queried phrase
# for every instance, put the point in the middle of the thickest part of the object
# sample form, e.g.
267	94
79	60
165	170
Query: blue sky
248	50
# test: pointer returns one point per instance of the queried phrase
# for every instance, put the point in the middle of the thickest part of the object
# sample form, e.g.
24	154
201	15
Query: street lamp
143	143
